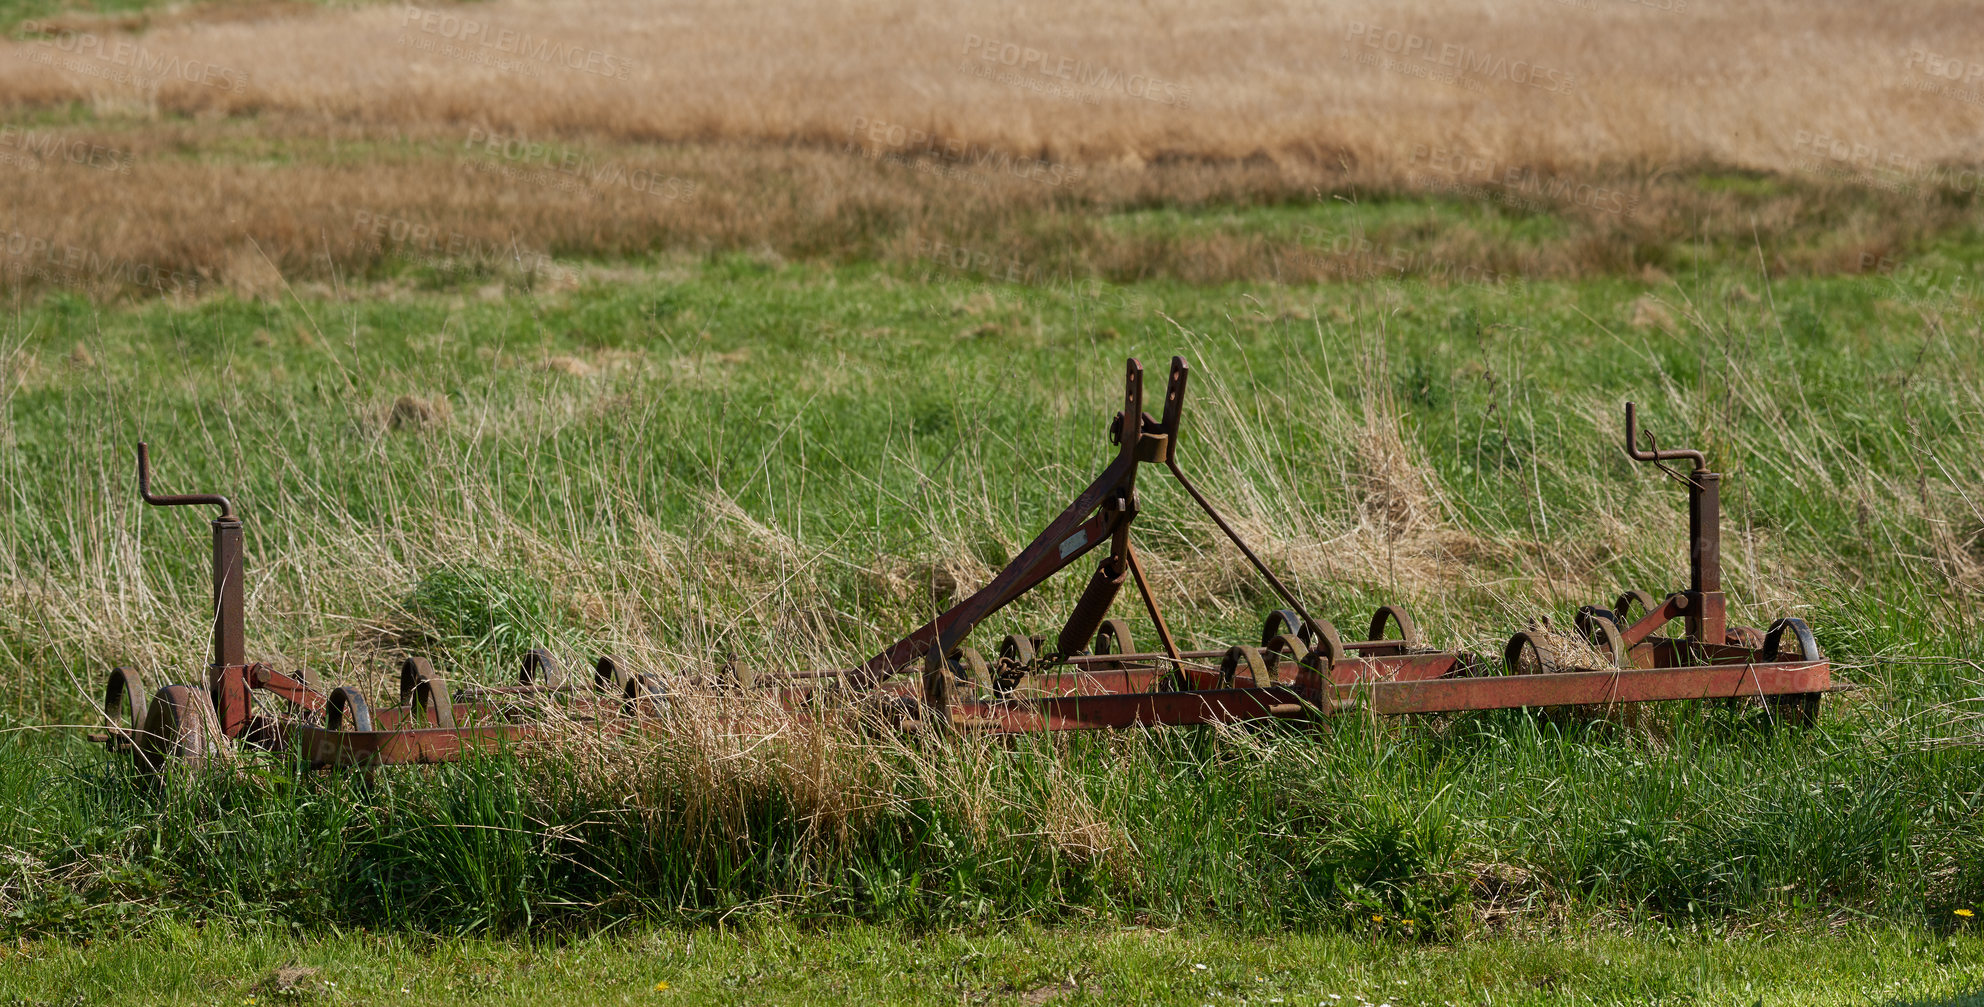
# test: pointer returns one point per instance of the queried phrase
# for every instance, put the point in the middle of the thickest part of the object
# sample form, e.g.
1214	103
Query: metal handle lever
179	499
1653	451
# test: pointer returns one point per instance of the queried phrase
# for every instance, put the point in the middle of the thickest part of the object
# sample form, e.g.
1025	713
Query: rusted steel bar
1589	688
1093	606
1122	710
1674	607
1068	538
1150	606
1076	710
1234	536
1706	607
224	676
324	748
261	676
177	499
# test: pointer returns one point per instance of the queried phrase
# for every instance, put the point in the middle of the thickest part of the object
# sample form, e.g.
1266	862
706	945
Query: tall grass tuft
471	610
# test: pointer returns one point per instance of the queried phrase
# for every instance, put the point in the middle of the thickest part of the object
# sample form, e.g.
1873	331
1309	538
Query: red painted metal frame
1592	688
1393	688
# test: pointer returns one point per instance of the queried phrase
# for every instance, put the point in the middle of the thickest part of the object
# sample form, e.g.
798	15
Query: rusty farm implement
1088	675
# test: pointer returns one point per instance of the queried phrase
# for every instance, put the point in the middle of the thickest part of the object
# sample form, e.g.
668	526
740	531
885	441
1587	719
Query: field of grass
316	144
1022	965
787	463
267	205
1752	84
759	334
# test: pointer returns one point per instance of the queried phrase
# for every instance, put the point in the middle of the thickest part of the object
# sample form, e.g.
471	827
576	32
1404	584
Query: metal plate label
1074	542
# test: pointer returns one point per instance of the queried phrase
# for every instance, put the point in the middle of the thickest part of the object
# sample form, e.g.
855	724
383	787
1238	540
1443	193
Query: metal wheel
345	710
1603	633
1287	645
1019	650
1623	608
1583	620
1798	709
1746	637
1283	621
1397	615
1328	650
124	700
425	693
609	675
412	671
1113	638
968	665
181	731
1525	655
645	695
541	670
1242	656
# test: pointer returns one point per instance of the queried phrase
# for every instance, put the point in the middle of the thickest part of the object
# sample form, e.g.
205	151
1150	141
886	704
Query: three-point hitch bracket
1103	513
1100	514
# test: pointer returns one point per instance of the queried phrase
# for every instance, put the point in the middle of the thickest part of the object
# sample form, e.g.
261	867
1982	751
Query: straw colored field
242	146
1535	82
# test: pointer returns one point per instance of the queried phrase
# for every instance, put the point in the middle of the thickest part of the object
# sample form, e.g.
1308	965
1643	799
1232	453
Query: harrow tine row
1089	674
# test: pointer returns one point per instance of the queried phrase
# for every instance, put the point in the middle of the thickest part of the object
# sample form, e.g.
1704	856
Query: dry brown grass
315	211
1727	83
323	141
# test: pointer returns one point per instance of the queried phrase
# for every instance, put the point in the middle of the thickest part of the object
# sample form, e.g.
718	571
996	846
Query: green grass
1020	965
1338	224
732	457
1444	835
836	400
14	12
